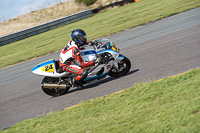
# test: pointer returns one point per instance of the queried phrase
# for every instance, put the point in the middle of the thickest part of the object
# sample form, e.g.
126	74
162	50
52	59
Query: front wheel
53	91
124	67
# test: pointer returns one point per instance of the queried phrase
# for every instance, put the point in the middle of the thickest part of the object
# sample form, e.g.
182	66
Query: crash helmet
79	36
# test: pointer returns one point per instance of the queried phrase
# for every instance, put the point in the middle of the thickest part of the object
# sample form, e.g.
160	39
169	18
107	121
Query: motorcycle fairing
95	77
48	68
107	50
94	74
88	54
48	62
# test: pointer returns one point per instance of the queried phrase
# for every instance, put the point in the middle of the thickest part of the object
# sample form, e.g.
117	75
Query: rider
71	60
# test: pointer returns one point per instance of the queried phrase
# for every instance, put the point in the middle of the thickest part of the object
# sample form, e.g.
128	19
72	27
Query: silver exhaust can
56	86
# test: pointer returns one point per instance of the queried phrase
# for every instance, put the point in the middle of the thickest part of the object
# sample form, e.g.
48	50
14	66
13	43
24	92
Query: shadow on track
105	80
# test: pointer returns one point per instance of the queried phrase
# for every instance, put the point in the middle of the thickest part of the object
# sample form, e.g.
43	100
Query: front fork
117	61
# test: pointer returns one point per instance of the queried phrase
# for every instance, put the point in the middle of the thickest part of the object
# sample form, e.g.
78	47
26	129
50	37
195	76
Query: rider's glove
98	60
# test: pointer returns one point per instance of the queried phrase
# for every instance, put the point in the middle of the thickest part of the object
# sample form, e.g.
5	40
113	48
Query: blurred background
23	14
11	8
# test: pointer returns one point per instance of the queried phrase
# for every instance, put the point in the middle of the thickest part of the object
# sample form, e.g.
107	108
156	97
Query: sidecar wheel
124	67
52	91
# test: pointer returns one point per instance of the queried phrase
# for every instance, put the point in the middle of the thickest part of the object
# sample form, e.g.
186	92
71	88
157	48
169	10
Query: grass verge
169	105
101	24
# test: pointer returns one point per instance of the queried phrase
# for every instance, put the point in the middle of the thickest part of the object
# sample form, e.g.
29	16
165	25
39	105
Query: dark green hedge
86	2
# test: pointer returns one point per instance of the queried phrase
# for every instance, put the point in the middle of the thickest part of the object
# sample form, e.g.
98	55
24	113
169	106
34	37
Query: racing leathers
71	61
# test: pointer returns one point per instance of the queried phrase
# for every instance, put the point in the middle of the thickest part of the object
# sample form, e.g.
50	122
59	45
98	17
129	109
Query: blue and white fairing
88	55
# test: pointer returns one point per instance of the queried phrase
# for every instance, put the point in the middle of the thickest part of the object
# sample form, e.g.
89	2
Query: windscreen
103	44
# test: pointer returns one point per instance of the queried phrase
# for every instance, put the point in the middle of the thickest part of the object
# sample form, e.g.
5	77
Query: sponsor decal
108	66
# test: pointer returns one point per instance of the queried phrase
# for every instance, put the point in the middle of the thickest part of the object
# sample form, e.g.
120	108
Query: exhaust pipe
55	86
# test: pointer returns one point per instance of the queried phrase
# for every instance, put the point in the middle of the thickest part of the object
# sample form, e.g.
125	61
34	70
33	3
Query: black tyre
52	91
124	67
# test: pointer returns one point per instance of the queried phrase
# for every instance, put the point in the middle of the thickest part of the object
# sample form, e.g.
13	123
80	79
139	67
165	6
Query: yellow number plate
48	68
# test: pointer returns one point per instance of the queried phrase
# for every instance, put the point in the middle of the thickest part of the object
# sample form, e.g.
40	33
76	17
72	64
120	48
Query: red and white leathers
71	61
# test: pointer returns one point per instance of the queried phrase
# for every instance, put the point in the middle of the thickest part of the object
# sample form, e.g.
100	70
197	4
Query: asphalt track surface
156	50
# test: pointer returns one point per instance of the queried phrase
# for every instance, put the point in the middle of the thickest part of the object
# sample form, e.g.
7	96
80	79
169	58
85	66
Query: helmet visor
83	38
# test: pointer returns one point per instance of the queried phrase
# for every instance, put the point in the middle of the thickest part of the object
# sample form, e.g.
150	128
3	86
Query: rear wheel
124	67
53	91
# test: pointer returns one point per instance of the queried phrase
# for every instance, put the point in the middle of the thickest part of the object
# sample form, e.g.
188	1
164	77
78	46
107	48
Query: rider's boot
77	83
78	79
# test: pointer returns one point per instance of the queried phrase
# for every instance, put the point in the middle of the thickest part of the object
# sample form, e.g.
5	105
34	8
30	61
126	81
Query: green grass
101	24
169	105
